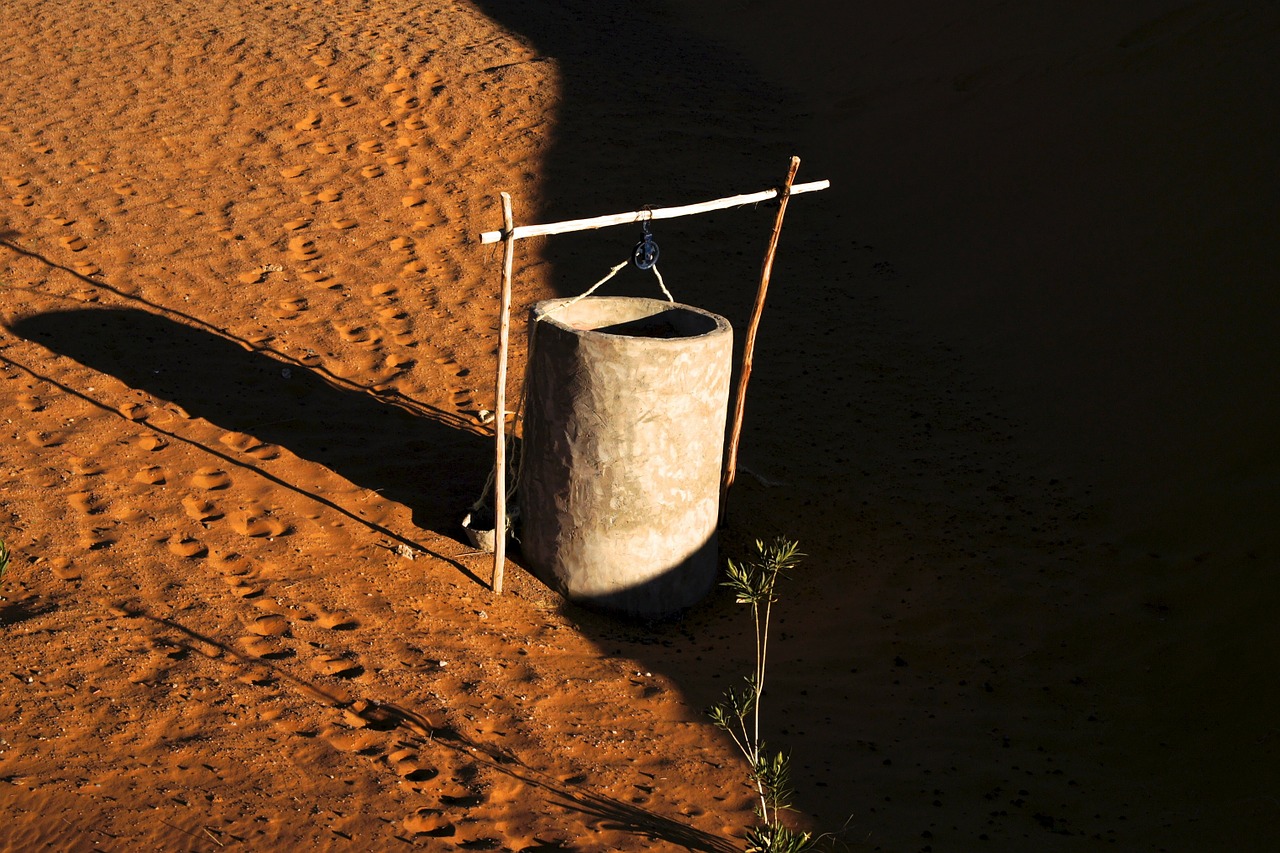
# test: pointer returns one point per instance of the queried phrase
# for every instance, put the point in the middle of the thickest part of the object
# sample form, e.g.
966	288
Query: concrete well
623	441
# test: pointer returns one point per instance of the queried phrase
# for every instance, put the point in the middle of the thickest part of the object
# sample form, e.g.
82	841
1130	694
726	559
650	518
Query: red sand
1014	395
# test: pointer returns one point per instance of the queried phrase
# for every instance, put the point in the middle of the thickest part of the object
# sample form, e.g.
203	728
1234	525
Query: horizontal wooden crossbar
522	231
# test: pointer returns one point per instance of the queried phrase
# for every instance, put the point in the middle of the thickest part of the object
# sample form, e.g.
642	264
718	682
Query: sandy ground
1015	395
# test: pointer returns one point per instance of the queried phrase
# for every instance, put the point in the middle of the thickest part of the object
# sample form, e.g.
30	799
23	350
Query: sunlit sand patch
30	403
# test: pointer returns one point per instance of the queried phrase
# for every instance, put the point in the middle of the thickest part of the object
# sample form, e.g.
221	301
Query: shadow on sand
433	471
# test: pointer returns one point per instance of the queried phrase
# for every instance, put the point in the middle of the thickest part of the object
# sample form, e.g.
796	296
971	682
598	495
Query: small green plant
753	582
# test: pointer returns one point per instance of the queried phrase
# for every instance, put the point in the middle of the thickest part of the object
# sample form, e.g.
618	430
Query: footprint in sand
336	620
257	525
384	290
315	82
200	509
303	249
86	467
293	172
356	334
343	224
249	446
406	764
132	411
30	403
296	224
152	442
370	146
324	146
74	243
290	307
262	647
359	741
398	362
256	675
429	822
336	666
128	514
99	537
40	438
311	122
185	546
152	475
329	196
210	478
314	276
242	587
342	100
85	503
64	569
270	625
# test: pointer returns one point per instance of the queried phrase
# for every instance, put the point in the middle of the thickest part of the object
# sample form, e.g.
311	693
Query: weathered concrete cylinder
621	455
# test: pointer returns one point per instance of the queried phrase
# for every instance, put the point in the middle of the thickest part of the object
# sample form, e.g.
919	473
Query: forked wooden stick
740	401
500	404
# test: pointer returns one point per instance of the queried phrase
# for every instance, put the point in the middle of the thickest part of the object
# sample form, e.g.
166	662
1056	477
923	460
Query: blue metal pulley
645	254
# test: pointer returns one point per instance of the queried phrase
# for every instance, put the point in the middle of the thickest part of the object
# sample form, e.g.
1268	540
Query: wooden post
740	401
500	404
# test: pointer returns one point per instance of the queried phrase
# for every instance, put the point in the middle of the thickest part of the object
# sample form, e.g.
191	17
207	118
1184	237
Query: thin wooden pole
645	215
740	402
500	405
